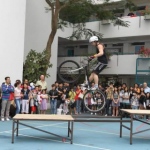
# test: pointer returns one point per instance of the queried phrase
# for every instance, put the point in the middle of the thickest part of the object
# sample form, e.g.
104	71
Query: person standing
18	95
109	95
7	88
53	94
25	99
42	82
146	88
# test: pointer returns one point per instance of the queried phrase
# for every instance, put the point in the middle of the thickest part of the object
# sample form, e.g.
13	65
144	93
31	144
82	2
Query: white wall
138	27
12	31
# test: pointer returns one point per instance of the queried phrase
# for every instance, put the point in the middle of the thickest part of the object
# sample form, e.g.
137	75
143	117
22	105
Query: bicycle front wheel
65	72
94	100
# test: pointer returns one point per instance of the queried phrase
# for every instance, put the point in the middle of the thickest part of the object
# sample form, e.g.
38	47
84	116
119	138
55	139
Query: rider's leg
96	79
91	77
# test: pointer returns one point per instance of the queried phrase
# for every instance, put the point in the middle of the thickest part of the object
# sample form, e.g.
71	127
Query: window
70	52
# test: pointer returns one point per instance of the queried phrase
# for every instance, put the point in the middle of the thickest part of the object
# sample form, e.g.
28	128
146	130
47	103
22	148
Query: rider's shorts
99	67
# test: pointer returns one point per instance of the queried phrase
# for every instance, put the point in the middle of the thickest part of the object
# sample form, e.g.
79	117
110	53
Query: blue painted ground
87	136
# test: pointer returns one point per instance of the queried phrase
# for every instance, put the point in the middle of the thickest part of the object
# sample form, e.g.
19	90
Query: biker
101	58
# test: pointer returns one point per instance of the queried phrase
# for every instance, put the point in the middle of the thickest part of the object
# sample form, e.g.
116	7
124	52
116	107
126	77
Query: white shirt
147	90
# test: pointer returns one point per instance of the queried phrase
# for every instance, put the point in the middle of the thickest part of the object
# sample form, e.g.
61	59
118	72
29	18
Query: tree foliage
35	65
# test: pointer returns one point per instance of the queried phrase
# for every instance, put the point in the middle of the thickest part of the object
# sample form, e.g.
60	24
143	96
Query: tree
79	13
34	65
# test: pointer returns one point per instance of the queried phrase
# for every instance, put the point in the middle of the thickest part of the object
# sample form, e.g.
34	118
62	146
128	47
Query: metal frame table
132	113
23	117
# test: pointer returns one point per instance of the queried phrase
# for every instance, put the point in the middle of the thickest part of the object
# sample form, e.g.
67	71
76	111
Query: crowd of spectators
33	98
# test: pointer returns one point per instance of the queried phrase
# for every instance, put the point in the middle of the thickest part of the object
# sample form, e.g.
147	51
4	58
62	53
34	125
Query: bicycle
69	71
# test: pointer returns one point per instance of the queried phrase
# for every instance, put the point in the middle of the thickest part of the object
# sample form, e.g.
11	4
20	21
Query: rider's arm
101	51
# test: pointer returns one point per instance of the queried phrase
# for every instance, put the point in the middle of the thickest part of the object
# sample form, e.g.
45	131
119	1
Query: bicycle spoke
94	101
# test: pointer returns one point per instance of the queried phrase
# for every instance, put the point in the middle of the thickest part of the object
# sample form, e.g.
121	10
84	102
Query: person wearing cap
101	59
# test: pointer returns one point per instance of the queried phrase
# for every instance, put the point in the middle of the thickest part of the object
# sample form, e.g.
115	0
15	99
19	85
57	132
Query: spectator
7	88
136	88
115	102
78	100
42	82
72	95
18	96
56	85
65	101
121	93
60	92
147	104
25	99
146	88
131	14
53	93
33	100
134	102
44	99
126	102
109	97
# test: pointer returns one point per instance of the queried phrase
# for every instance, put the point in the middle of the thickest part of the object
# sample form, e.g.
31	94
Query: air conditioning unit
106	22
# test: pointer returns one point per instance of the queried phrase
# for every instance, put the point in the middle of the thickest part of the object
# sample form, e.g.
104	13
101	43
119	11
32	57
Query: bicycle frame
86	73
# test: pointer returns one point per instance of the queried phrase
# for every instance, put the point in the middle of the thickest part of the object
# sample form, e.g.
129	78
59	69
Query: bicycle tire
99	102
64	75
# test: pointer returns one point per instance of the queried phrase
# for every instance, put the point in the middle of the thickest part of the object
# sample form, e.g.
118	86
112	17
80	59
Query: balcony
138	27
118	64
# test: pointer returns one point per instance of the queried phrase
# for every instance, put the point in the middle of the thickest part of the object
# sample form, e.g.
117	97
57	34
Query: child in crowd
44	99
65	101
25	99
33	100
134	102
78	100
115	102
72	95
39	98
53	94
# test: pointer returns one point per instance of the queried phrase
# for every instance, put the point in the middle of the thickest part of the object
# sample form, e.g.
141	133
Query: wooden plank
138	112
43	117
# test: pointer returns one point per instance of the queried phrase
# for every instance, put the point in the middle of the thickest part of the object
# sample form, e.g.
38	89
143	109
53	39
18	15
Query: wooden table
35	117
132	113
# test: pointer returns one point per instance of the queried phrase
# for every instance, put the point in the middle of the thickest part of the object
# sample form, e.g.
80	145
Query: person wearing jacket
7	88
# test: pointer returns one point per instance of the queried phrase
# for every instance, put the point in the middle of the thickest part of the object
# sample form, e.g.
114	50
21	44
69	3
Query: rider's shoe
94	88
84	85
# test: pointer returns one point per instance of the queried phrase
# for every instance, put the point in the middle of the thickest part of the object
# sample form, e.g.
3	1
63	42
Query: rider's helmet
93	39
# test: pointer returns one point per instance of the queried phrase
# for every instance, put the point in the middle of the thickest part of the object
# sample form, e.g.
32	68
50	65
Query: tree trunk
54	23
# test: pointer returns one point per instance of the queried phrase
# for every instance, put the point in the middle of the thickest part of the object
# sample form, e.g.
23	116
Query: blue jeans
17	102
53	104
135	107
78	106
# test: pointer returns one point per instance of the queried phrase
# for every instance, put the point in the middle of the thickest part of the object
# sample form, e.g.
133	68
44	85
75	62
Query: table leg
72	123
13	128
17	127
131	129
68	128
121	126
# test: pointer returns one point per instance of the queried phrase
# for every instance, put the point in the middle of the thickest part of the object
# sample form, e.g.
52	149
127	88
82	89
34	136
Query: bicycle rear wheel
64	71
94	100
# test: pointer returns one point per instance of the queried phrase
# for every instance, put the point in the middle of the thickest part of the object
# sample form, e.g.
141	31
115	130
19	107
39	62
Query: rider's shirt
103	58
